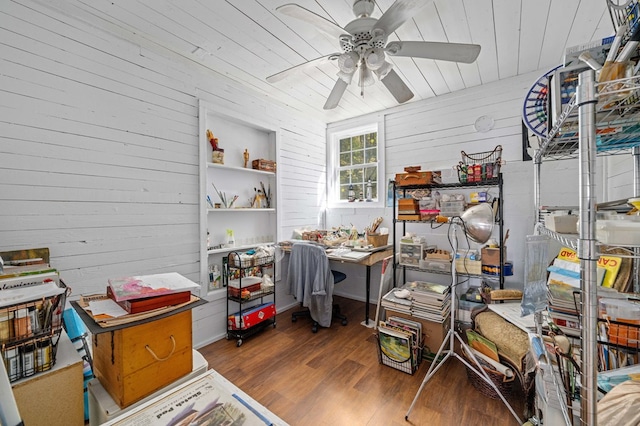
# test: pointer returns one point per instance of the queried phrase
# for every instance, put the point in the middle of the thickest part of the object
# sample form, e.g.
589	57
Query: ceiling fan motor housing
363	8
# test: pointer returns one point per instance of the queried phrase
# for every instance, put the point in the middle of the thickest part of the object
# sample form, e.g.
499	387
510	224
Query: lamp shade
478	222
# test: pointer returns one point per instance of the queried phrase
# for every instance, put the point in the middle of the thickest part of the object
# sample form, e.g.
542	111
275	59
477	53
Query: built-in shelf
241	209
240	169
238	248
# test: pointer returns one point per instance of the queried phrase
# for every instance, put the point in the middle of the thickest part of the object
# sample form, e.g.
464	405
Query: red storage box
251	316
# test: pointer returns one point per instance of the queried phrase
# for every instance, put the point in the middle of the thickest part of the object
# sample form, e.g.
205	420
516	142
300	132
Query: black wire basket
480	166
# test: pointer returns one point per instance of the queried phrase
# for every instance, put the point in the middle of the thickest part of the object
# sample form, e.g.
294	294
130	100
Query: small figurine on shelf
218	153
246	157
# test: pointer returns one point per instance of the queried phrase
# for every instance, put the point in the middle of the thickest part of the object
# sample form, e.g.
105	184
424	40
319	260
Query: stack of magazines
420	299
400	343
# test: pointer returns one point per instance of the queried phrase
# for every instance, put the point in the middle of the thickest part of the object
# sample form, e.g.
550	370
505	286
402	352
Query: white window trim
335	132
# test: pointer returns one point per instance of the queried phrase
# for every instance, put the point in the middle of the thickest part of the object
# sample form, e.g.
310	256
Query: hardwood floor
334	378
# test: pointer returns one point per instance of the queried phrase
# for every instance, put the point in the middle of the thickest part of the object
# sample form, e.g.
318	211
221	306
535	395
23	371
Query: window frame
335	133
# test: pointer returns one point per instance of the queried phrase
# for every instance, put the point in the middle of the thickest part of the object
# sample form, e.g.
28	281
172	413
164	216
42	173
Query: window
355	165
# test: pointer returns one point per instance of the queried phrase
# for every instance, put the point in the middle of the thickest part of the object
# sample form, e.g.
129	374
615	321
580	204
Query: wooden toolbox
135	361
417	177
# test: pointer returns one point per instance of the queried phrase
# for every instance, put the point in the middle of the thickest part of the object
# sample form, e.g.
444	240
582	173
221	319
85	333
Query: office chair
311	281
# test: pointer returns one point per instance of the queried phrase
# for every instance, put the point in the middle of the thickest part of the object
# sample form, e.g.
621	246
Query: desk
368	261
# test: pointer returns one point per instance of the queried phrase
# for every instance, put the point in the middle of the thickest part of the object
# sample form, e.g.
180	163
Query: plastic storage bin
451	208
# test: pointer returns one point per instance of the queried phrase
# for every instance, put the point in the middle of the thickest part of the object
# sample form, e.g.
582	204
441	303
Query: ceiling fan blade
299	68
396	86
398	14
299	12
456	52
336	94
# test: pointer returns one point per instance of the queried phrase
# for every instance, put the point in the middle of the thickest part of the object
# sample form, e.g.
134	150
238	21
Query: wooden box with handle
414	176
136	361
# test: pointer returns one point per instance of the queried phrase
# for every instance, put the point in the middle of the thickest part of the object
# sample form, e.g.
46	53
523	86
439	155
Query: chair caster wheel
344	322
314	329
239	343
294	319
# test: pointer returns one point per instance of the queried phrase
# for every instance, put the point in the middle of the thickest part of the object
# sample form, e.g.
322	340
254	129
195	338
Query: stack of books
149	292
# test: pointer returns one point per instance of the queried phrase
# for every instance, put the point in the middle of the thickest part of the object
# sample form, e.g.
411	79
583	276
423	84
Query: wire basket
480	166
502	382
32	330
243	260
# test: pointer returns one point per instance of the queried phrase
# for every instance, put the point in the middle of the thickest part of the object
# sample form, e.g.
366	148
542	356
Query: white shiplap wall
432	133
99	152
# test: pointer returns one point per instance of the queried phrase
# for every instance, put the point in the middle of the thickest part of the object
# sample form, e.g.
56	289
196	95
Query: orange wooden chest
136	361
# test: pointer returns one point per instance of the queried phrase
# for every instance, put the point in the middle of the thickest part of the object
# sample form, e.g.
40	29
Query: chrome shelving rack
601	119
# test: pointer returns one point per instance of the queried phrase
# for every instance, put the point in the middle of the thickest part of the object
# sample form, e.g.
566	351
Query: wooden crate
129	371
266	165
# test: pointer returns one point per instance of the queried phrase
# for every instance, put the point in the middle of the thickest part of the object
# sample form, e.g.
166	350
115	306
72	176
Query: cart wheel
239	343
274	325
228	336
314	328
344	322
294	319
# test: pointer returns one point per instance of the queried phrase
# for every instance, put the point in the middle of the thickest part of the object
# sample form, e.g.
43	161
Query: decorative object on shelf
231	242
351	195
223	197
218	153
369	191
265	165
245	154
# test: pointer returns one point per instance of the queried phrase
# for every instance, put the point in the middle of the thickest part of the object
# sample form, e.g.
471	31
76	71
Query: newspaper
203	401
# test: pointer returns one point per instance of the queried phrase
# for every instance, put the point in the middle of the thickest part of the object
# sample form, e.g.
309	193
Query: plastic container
622	232
451	208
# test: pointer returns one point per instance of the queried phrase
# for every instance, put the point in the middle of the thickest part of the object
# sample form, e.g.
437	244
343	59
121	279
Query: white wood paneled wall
99	153
432	133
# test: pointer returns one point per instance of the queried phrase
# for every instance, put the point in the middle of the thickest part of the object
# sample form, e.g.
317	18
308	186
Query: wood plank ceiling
248	40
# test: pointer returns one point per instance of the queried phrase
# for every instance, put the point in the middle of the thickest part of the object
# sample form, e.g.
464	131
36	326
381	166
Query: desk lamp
477	223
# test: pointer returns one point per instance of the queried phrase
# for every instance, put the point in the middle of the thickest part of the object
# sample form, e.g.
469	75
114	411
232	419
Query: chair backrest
308	263
310	280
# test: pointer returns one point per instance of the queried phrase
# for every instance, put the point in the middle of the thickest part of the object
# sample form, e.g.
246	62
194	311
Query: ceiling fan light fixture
366	77
383	70
375	58
348	62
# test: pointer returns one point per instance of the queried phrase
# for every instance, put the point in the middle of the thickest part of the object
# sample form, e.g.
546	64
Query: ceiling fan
364	48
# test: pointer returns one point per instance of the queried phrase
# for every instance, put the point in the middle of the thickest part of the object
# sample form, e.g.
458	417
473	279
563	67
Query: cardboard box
54	397
464	265
491	256
135	361
564	224
251	316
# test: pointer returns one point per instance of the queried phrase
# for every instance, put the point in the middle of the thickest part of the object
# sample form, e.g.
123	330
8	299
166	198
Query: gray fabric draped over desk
310	281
